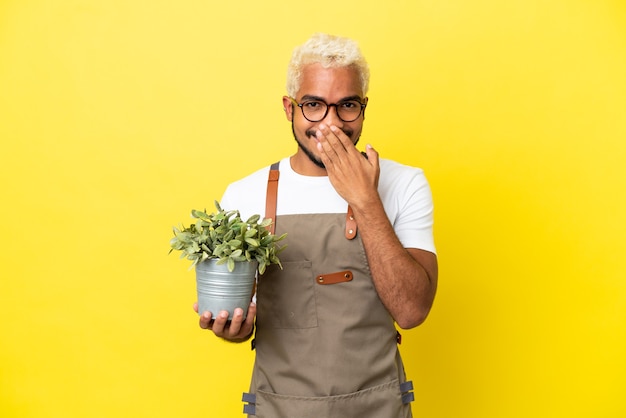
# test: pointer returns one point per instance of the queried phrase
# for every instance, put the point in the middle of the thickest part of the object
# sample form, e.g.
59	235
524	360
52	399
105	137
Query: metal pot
223	290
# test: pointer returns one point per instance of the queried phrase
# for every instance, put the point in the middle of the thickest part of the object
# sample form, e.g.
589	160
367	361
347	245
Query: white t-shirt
404	191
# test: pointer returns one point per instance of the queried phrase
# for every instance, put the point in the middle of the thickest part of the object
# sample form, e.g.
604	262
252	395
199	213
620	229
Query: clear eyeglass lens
314	111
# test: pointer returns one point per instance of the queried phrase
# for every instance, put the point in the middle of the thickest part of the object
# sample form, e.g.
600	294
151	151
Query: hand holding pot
235	330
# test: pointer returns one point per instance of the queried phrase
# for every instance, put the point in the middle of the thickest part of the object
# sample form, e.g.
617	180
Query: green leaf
253	219
199	214
234	243
219	250
252	242
266	240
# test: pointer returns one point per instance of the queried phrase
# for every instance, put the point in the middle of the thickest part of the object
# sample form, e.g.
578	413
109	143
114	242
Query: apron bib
325	344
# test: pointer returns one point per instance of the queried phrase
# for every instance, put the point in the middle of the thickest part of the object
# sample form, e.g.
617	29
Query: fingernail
223	314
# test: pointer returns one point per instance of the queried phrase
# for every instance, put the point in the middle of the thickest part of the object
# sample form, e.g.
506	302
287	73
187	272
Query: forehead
330	84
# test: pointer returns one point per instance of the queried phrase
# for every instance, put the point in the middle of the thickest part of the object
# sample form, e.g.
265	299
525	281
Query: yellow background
117	117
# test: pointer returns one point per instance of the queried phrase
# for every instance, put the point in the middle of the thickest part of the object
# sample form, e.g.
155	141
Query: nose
332	116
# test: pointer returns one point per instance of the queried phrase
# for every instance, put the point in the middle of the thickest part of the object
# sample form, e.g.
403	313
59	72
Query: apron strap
350	224
270	204
272	193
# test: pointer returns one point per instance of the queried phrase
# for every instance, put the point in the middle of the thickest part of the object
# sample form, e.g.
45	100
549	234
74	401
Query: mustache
311	133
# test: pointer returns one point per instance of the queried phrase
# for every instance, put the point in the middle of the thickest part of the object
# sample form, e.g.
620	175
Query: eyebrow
321	99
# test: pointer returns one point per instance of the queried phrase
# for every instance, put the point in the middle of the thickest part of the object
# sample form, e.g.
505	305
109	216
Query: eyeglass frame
328	106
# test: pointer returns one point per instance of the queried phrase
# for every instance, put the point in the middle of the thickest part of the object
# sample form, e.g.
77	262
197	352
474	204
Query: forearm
405	286
405	279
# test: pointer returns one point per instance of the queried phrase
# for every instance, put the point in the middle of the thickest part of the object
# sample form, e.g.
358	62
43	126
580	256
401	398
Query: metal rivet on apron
351	231
351	218
347	275
320	279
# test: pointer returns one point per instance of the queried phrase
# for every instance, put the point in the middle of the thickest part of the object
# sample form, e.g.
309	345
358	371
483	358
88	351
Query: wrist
368	205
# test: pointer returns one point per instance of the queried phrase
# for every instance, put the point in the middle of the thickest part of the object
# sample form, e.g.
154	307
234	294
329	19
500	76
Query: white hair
329	51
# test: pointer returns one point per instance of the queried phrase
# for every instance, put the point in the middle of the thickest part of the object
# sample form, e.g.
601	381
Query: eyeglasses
316	110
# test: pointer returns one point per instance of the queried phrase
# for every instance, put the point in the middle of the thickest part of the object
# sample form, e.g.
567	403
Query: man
359	257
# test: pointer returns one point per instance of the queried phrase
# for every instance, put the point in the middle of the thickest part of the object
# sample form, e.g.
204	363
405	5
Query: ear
288	108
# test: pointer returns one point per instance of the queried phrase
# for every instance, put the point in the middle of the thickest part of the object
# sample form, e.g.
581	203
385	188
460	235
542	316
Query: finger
248	325
372	155
328	153
206	320
332	135
195	307
333	150
251	314
336	139
344	140
220	323
235	323
345	153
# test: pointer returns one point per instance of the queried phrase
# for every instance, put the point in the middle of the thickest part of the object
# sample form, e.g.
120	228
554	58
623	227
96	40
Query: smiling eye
313	105
349	105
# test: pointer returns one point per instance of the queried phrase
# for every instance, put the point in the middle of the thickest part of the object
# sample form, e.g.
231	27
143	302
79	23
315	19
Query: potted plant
227	252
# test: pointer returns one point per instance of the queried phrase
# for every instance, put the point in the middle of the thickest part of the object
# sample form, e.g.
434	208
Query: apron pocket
379	401
287	299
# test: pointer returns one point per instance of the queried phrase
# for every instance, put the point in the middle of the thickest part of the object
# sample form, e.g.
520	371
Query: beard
311	135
